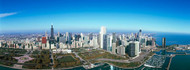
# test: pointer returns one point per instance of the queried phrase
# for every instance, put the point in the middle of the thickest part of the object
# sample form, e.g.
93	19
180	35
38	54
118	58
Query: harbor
156	61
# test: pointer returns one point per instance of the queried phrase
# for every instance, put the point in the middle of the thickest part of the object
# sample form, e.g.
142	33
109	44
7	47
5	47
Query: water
180	62
172	38
6	68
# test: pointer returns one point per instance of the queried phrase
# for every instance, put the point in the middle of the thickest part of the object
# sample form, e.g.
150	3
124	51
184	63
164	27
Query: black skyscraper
52	32
52	39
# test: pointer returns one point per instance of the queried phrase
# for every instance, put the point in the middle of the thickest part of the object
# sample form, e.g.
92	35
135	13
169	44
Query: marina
156	61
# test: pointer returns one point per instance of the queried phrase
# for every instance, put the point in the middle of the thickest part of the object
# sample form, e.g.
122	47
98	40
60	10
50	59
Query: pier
171	56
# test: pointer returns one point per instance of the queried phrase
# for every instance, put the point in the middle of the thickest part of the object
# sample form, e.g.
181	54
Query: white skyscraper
82	36
110	42
67	35
137	48
102	33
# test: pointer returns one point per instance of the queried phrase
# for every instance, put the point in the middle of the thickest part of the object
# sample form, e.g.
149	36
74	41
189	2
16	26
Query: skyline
90	15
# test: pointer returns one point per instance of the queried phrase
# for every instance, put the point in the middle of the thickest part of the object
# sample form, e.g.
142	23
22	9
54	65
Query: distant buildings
120	44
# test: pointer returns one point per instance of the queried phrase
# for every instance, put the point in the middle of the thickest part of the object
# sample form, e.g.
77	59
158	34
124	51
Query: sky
90	15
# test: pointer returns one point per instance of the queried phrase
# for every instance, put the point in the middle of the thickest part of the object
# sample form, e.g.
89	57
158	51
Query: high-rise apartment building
164	42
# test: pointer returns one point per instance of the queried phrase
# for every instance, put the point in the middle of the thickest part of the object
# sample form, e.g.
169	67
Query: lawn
66	59
95	54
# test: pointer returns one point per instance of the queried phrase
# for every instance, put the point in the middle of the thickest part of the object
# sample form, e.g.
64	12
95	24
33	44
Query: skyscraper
114	50
114	38
44	40
137	50
105	42
52	33
133	48
164	42
68	37
46	35
58	34
102	33
140	37
90	36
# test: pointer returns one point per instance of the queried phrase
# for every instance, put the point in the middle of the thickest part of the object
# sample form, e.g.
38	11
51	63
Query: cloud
7	14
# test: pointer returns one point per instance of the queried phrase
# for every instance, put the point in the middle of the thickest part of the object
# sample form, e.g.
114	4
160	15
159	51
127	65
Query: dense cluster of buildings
121	44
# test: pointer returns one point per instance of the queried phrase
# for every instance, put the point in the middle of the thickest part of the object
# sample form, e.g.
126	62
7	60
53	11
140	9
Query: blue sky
90	15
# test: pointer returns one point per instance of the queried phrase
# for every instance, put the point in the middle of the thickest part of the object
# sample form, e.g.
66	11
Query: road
85	62
113	60
137	59
52	60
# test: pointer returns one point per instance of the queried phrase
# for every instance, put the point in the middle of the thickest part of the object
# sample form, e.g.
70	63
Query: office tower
121	50
110	39
38	39
95	42
153	43
86	40
102	33
57	39
57	45
46	35
118	42
68	37
82	36
137	50
114	50
131	49
44	40
164	42
114	37
52	39
119	37
90	36
52	46
52	33
77	37
62	39
143	43
58	34
140	35
139	39
105	42
98	37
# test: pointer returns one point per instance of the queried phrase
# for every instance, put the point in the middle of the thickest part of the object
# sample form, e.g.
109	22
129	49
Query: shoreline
9	67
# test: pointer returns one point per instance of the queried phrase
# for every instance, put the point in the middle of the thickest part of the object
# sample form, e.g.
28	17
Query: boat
146	65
